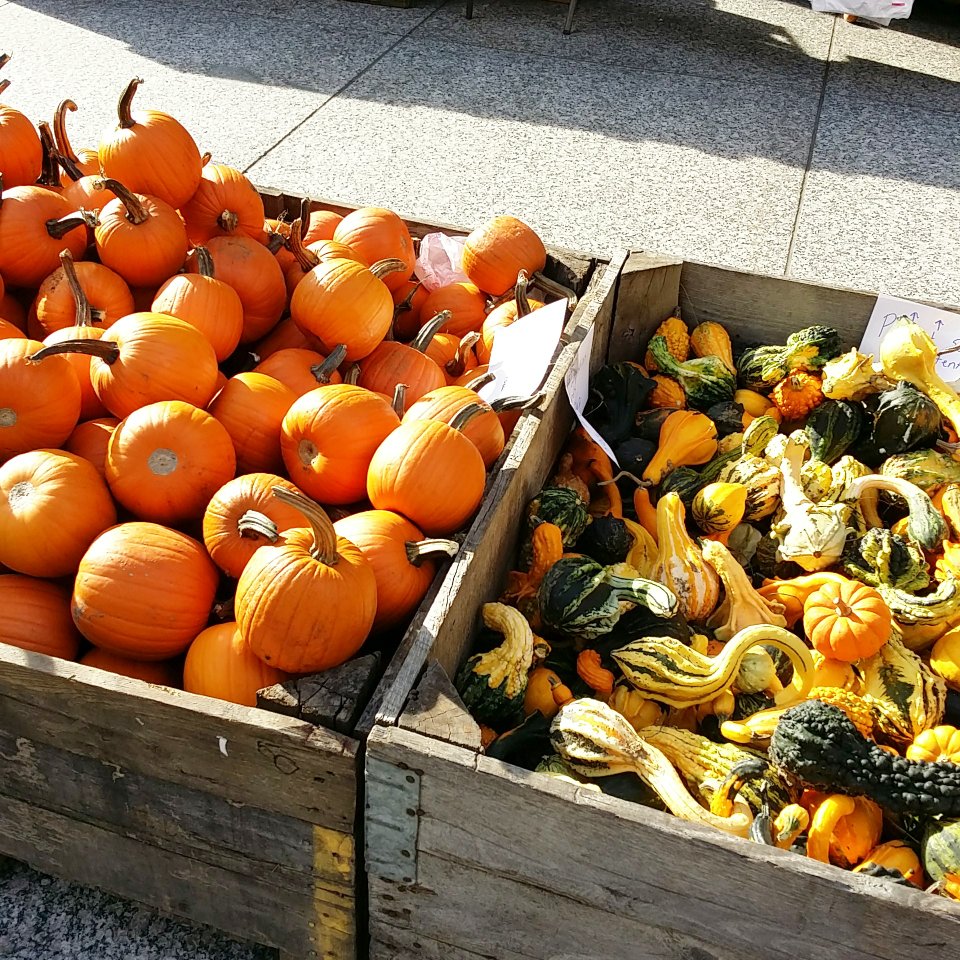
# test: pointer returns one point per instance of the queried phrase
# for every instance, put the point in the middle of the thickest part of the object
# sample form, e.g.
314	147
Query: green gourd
705	380
762	481
564	508
905	419
762	368
941	848
832	427
606	540
926	469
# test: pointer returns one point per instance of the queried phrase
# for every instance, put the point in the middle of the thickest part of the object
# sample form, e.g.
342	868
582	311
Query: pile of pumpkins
750	615
183	384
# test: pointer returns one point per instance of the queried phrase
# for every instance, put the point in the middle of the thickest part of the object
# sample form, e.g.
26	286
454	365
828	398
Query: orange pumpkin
475	378
408	300
86	162
9	332
400	558
166	460
244	515
145	358
106	292
91	439
935	745
21	155
204	302
140	237
429	472
503	316
251	407
847	621
302	370
308	602
221	664
39	402
12	310
286	335
130	573
466	304
483	430
379	234
495	253
321	225
151	152
165	673
225	203
328	438
89	194
894	855
35	615
52	506
252	270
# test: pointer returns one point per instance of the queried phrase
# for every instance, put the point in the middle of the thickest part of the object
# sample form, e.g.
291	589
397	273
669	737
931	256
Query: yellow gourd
686	439
643	554
790	822
940	743
710	339
894	855
678	340
719	507
756	404
539	695
945	658
844	830
634	707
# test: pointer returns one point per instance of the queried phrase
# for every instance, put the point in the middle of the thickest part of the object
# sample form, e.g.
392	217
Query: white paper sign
942	326
522	352
577	382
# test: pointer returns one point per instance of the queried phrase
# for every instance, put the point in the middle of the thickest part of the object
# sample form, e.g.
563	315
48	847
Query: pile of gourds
752	617
183	384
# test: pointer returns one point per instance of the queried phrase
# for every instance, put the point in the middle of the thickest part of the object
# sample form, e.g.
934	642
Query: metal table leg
571	10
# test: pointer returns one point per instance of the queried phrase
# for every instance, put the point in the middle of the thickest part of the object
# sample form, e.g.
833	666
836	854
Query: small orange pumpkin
303	370
35	615
934	745
88	194
165	673
379	234
21	155
224	203
495	253
466	305
321	225
847	621
90	441
286	335
504	316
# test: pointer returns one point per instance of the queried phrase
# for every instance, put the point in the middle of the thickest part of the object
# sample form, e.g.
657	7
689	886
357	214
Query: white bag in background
883	11
439	261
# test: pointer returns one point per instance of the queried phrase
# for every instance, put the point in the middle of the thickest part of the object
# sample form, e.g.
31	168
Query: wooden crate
469	857
233	816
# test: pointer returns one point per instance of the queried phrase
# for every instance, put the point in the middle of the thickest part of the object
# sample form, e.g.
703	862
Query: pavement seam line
813	149
347	83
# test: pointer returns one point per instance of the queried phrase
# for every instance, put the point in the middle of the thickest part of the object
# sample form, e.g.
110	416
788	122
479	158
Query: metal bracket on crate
392	816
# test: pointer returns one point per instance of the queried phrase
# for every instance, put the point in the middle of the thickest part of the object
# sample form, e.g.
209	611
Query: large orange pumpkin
503	316
165	673
429	472
302	370
140	237
167	459
151	152
106	292
203	301
35	615
12	310
21	155
495	253
400	558
52	506
39	402
847	621
91	439
225	203
379	234
251	407
143	591
307	603
466	304
242	516
145	358
86	162
328	438
221	664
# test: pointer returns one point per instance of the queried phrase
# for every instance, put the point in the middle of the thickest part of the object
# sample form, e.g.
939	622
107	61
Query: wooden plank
436	710
266	760
648	292
525	833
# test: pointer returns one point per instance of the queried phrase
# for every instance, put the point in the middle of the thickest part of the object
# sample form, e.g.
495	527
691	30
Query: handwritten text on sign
942	326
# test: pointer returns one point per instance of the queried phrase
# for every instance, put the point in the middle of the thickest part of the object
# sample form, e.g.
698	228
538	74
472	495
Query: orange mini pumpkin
935	745
847	621
286	335
466	304
165	673
224	203
495	253
90	440
321	225
35	615
379	234
21	155
302	370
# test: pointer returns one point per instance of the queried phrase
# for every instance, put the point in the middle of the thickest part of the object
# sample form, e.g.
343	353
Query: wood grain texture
648	292
497	831
436	710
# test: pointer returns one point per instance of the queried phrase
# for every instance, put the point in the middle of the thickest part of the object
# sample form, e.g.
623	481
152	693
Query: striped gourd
596	741
665	669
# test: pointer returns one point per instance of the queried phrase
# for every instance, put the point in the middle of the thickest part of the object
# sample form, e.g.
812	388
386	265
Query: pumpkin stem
224	610
105	350
517	403
842	609
324	536
557	289
126	102
204	261
136	212
4	60
58	229
468	413
520	294
383	268
228	221
255	526
429	330
275	241
322	372
353	374
50	169
84	315
407	302
60	130
457	367
206	158
399	399
4	84
481	381
307	259
418	550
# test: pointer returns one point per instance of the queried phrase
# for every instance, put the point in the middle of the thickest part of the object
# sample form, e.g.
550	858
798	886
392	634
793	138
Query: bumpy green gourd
705	380
807	349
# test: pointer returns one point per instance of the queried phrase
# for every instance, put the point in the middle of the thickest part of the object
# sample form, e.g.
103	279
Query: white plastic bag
883	11
439	261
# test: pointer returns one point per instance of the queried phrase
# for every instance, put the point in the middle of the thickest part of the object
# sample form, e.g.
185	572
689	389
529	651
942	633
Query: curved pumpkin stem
4	60
399	399
4	83
105	350
60	130
468	413
418	550
324	536
457	367
58	229
254	525
429	330
204	261
50	169
520	294
383	268
206	158
136	212
517	403
322	372
407	302
481	381
124	112
352	374
84	315
557	289
306	258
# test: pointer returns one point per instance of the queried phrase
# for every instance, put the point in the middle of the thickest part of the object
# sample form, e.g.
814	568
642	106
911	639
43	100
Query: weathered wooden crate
469	857
233	816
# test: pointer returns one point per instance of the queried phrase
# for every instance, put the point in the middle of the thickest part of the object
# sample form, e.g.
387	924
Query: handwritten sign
577	382
942	326
522	353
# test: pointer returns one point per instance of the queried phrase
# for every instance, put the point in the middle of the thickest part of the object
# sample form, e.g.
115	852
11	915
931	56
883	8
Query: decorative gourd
540	694
669	671
308	602
926	525
945	658
90	441
893	855
941	849
718	508
208	304
843	830
606	540
52	506
35	616
851	377
905	419
667	393
563	507
926	469
401	560
151	152
847	621
465	304
807	349
132	571
580	598
224	202
742	606
832	427
166	673
145	358
680	565
797	395
106	294
21	155
675	332
936	744
705	380
591	671
378	234
686	439
302	370
818	744
596	741
496	252
710	339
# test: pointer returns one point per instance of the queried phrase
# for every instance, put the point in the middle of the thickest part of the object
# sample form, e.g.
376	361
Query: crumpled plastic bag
882	11
438	262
